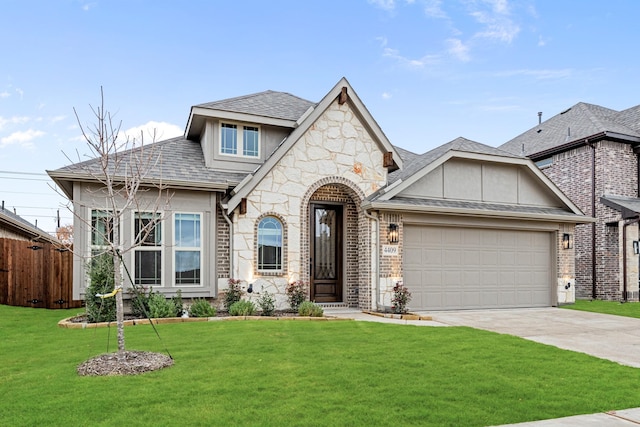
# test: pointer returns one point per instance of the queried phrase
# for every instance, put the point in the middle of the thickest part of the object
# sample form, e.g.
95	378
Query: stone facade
335	160
615	173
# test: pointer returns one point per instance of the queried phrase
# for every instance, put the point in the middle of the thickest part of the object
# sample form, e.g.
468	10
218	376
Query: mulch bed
124	363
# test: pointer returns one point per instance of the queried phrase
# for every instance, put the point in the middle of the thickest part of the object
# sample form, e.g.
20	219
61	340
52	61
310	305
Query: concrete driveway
615	338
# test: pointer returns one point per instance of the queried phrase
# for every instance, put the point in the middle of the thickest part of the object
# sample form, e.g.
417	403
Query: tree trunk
119	302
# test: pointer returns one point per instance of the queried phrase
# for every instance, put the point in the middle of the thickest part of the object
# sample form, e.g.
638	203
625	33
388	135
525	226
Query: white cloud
496	20
20	92
542	41
4	94
15	120
433	9
21	138
386	95
57	119
152	131
458	50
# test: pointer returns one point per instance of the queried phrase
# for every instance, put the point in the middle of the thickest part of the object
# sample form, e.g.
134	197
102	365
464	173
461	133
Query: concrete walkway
614	338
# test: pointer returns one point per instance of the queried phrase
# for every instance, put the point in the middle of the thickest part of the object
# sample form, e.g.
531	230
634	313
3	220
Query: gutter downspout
624	255
226	218
377	259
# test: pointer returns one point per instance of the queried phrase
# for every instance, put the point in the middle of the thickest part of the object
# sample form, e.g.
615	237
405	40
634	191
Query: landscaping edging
405	316
70	324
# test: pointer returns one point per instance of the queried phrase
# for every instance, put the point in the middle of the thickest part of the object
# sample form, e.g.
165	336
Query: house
591	153
270	188
15	227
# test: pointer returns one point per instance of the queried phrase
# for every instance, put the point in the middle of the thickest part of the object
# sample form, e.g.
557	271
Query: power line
24	173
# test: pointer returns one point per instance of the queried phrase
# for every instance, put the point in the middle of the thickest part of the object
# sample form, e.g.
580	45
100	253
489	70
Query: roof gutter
583	141
446	210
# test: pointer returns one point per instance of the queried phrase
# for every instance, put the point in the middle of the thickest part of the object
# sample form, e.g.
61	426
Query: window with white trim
147	258
270	244
239	140
102	231
187	249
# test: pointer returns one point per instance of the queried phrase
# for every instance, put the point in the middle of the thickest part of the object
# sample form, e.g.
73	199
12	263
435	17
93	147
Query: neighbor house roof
177	162
573	126
19	225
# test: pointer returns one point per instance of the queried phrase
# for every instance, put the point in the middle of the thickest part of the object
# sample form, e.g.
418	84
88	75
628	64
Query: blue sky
429	71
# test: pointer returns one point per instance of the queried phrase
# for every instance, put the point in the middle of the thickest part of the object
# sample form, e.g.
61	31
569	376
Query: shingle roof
279	105
177	159
15	221
417	162
574	124
629	206
478	206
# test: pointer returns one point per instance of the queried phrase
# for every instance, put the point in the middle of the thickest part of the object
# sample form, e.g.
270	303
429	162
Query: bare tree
121	168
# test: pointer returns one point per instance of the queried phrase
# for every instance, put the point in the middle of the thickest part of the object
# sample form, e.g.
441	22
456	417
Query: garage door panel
457	268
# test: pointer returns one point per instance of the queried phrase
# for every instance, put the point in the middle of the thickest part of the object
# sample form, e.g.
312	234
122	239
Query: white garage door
448	268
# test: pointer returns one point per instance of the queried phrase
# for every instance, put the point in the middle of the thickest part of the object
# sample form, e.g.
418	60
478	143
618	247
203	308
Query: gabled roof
277	105
388	197
179	164
304	124
268	107
460	144
574	125
19	225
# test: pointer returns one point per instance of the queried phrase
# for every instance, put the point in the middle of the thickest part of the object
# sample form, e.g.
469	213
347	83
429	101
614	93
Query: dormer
239	134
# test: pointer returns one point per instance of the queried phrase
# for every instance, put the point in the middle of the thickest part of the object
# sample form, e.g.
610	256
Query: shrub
201	308
267	303
178	304
242	308
296	293
101	281
400	299
159	306
311	309
233	294
140	300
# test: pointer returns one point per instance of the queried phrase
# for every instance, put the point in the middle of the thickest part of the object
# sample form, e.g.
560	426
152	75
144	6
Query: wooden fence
36	275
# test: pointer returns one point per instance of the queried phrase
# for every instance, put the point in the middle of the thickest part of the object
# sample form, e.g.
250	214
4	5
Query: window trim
282	271
240	143
99	248
158	247
176	249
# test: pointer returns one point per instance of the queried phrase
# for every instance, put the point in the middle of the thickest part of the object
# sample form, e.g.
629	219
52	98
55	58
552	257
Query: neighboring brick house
591	154
270	188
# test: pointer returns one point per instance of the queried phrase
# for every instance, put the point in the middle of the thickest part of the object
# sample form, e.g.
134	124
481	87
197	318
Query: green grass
628	309
280	373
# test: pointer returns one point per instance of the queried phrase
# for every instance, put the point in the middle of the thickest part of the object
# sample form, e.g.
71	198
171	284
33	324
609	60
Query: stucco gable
343	153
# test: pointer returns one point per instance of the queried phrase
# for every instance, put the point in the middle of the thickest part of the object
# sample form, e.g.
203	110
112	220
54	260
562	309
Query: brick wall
616	173
222	261
356	238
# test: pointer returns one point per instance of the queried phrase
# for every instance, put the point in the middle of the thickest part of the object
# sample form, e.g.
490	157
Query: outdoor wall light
567	241
393	233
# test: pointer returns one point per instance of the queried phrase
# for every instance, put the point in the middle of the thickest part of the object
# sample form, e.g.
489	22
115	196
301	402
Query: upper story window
239	140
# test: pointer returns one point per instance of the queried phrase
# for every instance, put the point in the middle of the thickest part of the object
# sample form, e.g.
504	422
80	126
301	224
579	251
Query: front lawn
302	373
628	309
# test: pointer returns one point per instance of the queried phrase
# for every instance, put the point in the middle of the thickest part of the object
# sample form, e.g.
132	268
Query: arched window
269	244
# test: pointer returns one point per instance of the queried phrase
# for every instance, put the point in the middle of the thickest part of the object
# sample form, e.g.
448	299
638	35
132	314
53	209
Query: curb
405	316
69	324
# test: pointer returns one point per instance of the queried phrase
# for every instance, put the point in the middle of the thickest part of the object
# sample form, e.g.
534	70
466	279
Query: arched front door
326	252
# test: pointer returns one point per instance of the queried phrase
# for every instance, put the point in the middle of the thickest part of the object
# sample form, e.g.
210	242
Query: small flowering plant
400	299
296	293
